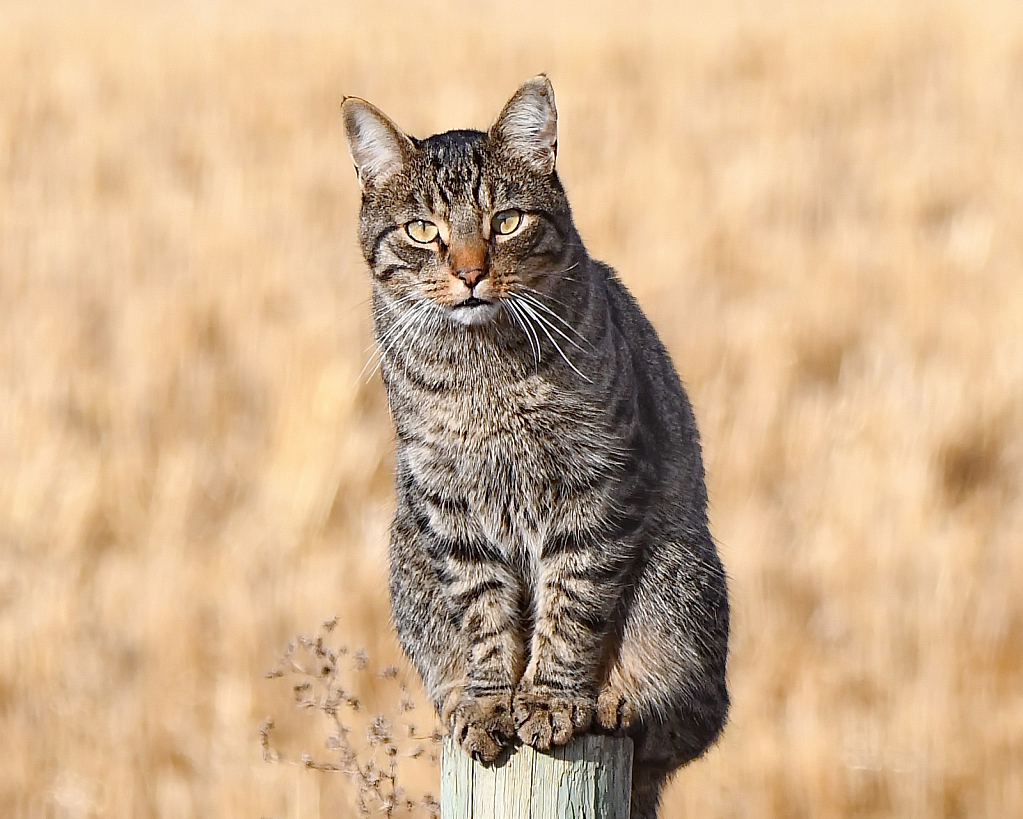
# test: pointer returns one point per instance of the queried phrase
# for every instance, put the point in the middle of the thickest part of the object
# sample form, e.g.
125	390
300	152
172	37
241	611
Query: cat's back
661	425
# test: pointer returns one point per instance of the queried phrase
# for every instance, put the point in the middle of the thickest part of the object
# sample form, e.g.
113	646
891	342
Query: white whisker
430	322
401	327
523	322
400	322
415	323
554	327
506	306
536	303
390	307
544	325
543	295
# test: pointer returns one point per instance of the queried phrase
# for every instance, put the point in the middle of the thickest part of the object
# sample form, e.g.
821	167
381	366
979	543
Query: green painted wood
590	778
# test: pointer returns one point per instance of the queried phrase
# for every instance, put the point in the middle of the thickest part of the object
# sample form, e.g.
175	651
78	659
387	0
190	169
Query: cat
551	567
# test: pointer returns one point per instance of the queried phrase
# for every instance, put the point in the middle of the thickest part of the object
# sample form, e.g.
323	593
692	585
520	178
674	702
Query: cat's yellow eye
505	222
422	231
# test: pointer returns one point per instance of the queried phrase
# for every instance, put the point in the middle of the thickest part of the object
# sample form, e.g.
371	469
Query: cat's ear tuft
528	126
378	147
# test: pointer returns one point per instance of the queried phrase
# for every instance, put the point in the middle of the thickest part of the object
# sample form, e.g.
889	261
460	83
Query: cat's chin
474	315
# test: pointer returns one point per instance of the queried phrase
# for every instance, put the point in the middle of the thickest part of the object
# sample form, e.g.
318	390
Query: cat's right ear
378	147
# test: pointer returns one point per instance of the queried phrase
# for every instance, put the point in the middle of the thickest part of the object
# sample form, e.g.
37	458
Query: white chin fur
474	315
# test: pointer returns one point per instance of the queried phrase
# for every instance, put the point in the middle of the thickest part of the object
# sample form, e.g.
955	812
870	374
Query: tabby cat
552	571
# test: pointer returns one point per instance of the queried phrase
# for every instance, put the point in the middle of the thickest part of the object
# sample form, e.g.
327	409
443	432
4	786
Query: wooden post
590	778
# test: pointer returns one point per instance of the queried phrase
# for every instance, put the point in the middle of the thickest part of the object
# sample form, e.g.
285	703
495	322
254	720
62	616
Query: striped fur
552	571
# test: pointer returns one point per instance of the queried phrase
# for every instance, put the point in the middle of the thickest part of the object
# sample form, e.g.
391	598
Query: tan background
819	206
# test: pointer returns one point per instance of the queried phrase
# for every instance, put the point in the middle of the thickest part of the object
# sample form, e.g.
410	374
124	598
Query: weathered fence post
590	778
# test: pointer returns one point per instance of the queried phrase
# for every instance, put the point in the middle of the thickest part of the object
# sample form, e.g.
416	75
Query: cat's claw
483	726
544	719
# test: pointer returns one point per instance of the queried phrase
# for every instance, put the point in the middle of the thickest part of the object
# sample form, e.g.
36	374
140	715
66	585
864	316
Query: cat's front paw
544	718
483	726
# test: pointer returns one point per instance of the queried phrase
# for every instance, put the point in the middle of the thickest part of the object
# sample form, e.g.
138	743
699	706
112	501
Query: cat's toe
482	726
544	720
614	711
480	744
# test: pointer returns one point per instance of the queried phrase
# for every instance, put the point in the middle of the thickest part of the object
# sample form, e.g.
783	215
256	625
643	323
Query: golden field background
820	207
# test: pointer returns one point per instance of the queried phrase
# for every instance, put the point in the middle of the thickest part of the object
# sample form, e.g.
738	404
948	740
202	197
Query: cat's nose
471	277
468	261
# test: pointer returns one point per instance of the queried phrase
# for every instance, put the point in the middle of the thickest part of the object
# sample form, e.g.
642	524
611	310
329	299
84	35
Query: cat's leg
577	592
485	599
666	684
456	609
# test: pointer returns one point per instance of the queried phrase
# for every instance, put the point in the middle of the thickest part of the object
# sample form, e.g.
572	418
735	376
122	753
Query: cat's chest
500	463
490	452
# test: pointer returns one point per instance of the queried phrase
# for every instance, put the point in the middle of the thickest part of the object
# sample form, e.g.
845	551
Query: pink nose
471	277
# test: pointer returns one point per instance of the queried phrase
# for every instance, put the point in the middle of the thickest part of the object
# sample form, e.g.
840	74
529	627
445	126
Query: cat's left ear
528	126
378	147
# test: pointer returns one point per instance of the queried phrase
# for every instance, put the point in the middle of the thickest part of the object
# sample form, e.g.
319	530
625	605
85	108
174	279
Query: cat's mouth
472	301
474	310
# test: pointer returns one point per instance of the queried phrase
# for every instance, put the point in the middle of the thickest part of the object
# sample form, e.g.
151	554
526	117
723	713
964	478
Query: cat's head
464	222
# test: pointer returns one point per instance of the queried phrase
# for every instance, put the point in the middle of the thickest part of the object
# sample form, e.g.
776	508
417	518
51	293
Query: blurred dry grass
820	208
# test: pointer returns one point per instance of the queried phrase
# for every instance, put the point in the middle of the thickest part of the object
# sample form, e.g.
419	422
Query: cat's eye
505	222
422	231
